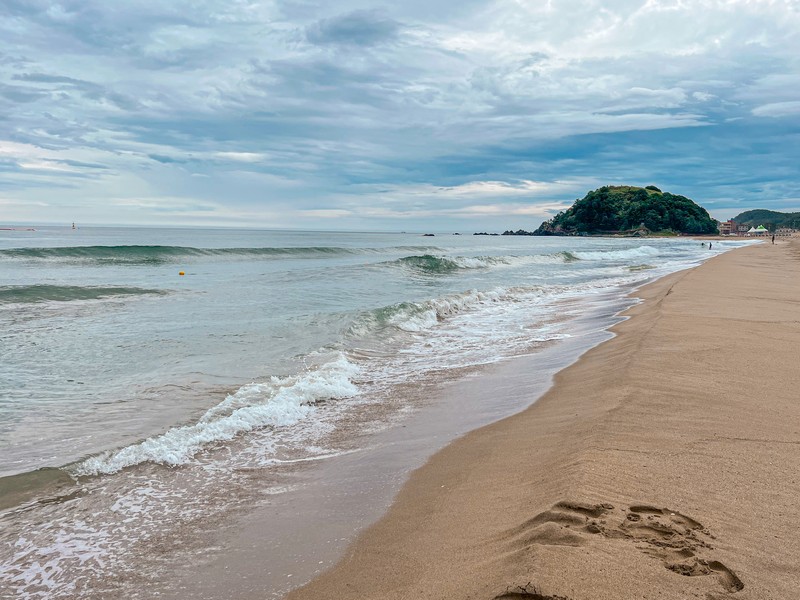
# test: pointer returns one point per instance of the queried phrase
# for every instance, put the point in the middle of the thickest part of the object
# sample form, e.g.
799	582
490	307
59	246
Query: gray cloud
309	106
360	28
17	93
44	78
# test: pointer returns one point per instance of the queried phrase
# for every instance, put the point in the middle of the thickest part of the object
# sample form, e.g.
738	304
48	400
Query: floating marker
181	273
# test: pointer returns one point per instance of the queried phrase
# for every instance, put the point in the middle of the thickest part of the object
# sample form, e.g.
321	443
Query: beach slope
664	464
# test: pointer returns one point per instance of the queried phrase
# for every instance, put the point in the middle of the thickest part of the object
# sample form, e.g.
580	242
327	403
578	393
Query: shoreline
659	465
325	505
266	530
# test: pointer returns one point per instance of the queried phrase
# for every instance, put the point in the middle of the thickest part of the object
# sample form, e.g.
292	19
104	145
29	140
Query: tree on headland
616	209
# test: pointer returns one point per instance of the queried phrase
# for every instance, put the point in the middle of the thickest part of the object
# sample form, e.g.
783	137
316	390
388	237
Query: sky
416	115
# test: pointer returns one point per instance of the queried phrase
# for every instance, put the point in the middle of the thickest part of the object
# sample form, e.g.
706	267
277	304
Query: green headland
630	210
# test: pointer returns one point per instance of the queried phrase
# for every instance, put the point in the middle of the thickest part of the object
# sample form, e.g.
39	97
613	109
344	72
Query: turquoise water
125	373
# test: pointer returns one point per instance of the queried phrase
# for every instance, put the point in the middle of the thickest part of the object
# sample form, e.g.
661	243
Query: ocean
154	382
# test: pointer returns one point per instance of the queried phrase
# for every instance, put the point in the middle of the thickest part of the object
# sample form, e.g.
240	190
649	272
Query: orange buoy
181	273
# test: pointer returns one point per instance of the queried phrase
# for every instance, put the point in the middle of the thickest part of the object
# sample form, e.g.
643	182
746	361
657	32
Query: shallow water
177	399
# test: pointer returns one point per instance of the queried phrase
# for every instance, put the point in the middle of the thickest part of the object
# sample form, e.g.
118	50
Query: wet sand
664	464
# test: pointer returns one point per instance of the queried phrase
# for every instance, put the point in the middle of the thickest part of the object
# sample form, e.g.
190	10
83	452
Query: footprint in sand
528	592
677	540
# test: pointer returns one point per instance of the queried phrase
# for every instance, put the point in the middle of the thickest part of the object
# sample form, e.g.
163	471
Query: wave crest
427	263
419	316
144	255
630	253
14	294
281	401
442	265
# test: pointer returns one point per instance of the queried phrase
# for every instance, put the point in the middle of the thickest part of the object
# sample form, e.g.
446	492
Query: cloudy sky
413	115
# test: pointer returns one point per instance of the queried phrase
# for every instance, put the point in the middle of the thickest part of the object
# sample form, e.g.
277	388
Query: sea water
156	378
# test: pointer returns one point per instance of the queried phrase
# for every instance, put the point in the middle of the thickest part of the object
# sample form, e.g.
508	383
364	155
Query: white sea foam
417	317
44	577
482	328
630	253
495	262
468	262
447	265
281	401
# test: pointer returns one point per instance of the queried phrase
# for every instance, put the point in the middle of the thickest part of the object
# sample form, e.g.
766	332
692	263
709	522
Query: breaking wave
281	401
14	294
441	265
420	316
154	255
630	253
430	264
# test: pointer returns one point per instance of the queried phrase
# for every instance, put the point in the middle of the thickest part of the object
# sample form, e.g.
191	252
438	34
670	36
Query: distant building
727	228
731	227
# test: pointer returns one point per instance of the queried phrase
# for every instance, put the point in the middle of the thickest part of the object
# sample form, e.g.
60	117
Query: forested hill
621	209
769	218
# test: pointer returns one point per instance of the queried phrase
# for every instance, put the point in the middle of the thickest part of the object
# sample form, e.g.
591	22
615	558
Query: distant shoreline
653	235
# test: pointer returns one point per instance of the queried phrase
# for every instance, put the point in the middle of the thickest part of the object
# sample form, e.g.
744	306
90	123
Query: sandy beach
664	464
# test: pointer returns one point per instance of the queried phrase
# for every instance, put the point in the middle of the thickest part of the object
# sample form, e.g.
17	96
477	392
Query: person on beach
773	238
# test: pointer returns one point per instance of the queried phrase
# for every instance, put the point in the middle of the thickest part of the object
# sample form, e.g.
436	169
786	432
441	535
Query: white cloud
247	157
473	189
778	109
703	96
543	210
327	213
21	203
45	165
23	151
